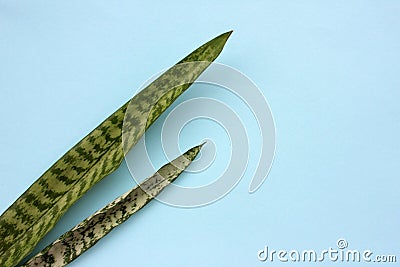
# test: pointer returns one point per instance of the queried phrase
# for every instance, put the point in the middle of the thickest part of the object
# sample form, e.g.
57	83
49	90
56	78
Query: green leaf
98	154
86	234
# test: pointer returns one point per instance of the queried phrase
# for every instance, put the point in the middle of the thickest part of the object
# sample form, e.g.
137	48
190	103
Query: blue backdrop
329	70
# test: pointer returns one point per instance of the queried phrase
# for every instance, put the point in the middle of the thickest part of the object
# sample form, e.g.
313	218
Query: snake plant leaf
86	234
98	154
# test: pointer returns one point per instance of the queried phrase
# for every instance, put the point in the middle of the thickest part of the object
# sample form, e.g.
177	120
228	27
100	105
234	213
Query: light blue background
329	70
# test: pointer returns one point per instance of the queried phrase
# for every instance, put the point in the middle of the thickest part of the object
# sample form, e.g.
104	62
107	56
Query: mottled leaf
86	234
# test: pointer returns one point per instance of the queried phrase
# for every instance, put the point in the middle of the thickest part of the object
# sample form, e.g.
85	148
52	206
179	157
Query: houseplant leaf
98	154
86	234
